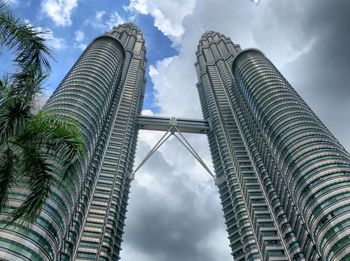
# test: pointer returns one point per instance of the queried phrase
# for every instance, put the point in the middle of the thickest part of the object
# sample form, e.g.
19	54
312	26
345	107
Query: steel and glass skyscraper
113	66
84	220
284	180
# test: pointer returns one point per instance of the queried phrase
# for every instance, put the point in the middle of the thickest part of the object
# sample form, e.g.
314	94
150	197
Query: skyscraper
283	177
114	66
84	220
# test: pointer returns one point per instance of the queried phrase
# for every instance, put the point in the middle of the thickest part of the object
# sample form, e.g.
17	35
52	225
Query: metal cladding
102	216
283	177
314	167
284	180
103	93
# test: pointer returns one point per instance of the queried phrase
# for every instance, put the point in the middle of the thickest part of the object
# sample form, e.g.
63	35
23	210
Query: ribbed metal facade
284	180
282	176
84	220
103	223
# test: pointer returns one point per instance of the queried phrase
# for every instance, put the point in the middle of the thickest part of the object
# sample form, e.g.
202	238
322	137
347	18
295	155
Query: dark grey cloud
170	217
321	73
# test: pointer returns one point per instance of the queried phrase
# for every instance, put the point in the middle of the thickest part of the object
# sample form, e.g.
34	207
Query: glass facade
84	219
282	176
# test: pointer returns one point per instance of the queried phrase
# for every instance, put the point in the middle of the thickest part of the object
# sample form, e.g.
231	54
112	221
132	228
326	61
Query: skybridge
183	125
173	126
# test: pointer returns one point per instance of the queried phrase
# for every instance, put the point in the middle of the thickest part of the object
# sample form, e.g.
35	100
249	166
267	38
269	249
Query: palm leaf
57	136
3	84
52	148
8	161
17	92
56	132
27	84
41	148
40	178
14	113
29	45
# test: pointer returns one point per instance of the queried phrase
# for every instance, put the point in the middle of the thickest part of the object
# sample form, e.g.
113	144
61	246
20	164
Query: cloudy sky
174	211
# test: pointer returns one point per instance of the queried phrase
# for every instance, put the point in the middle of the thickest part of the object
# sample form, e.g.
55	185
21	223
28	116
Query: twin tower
284	179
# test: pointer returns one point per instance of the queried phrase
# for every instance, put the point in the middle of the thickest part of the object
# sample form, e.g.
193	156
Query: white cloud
97	21
12	2
103	22
56	43
244	22
79	36
172	77
99	15
59	10
81	46
51	40
114	20
168	15
147	112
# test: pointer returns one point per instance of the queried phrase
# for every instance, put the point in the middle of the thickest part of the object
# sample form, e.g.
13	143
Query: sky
174	210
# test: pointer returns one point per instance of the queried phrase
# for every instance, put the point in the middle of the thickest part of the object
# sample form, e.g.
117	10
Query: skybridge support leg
172	131
153	150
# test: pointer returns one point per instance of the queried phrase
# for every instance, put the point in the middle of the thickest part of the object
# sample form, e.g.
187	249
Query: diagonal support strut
154	149
173	129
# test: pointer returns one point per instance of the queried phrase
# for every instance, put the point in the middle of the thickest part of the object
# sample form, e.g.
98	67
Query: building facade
84	220
283	177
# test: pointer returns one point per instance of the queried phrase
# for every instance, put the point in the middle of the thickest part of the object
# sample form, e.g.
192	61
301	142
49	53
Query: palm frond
29	45
8	161
56	132
38	171
52	146
3	85
14	113
57	136
40	148
3	89
27	84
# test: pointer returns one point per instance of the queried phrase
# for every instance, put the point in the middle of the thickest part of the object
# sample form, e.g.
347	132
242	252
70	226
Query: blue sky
70	32
174	211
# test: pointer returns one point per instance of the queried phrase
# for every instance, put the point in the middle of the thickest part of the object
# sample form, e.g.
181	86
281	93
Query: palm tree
36	149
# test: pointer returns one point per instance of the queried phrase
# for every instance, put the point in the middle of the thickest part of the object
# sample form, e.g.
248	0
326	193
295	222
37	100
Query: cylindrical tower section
101	231
252	230
314	166
84	95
